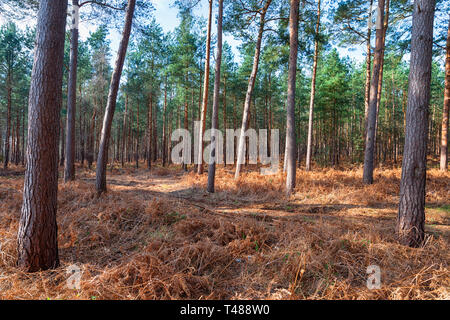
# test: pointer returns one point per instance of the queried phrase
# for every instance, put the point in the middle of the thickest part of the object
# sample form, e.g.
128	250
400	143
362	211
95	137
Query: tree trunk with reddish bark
215	111
444	139
411	214
37	236
372	115
205	91
251	86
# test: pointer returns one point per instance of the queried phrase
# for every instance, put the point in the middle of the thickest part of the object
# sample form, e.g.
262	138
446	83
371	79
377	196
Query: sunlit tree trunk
215	111
371	122
69	167
112	99
251	86
313	92
411	215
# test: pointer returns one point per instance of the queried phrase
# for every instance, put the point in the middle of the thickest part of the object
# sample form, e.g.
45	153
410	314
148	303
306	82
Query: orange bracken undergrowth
159	235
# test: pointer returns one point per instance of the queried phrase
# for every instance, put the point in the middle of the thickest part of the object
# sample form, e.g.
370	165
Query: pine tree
37	235
290	128
411	214
112	97
215	113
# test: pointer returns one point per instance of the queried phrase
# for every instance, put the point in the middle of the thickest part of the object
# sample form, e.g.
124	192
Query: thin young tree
164	127
351	28
368	69
69	166
411	214
205	90
11	48
380	78
444	138
215	111
37	236
372	114
107	10
69	160
313	92
291	147
102	158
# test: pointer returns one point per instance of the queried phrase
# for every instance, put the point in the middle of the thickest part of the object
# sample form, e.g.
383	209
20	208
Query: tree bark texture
290	122
205	91
215	111
372	115
411	214
37	236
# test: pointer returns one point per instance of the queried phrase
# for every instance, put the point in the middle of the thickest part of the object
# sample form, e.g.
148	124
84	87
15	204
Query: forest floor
159	235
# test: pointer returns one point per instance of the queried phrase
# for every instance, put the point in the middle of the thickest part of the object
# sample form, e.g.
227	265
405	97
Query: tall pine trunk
411	214
37	236
69	168
215	111
8	119
124	131
380	79
112	100
251	86
164	133
368	70
372	115
205	91
444	142
313	92
150	131
290	122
